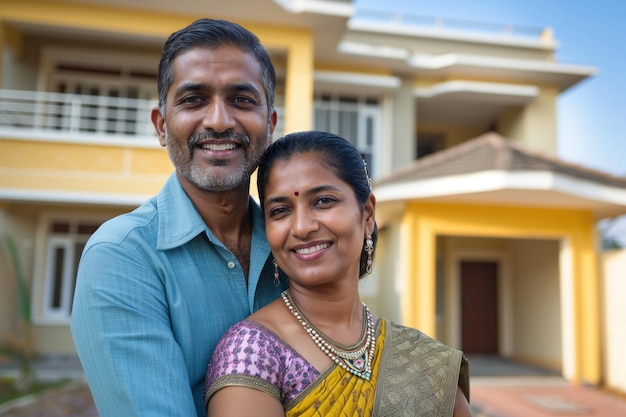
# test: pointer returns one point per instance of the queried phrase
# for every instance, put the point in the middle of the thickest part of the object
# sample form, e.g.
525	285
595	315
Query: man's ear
159	124
273	120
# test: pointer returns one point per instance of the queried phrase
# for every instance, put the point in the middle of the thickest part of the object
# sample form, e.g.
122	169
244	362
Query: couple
158	287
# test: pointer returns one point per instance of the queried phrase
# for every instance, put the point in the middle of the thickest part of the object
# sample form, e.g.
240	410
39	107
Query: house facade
457	123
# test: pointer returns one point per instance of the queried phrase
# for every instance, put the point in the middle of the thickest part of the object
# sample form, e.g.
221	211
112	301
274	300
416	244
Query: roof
492	170
491	151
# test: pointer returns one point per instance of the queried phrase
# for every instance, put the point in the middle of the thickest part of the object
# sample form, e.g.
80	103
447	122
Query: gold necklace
356	359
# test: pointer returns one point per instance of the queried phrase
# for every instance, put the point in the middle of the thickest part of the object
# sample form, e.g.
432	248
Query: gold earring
369	249
276	276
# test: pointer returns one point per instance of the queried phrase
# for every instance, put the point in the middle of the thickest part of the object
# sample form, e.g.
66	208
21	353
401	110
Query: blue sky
592	114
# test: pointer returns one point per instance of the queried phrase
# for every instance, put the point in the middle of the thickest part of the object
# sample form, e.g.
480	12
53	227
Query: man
157	287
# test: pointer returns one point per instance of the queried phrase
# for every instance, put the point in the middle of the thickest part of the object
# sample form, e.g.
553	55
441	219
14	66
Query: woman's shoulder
416	338
246	334
250	354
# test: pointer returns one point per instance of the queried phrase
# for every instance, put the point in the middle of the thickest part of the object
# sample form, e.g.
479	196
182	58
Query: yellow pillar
299	47
587	307
420	254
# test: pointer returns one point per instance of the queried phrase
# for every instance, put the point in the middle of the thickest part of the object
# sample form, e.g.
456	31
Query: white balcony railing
38	111
408	20
43	115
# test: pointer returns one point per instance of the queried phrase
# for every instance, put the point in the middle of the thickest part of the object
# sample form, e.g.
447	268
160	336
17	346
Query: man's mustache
230	136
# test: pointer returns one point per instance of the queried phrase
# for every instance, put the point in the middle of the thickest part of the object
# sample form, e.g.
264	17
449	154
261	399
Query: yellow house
458	125
495	250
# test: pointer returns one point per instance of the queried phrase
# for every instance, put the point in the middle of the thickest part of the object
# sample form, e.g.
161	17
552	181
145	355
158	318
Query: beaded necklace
356	359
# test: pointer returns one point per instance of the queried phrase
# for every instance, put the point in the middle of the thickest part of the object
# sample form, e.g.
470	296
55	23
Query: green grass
8	391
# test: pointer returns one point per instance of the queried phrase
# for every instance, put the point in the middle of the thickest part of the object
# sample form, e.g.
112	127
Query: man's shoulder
115	230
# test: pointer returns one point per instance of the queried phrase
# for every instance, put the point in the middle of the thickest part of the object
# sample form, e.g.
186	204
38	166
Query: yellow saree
339	393
412	375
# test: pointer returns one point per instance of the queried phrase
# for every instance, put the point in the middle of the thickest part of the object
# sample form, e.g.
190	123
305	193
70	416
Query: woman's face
314	224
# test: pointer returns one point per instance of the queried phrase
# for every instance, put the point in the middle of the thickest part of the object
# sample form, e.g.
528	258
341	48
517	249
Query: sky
592	33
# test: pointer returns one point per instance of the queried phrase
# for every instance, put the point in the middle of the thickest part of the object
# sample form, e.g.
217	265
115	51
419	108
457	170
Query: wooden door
479	307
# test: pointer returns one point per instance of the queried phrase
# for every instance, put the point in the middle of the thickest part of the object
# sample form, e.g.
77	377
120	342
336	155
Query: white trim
62	313
64	197
351	78
408	30
448	87
377	51
496	180
332	8
438	62
40	135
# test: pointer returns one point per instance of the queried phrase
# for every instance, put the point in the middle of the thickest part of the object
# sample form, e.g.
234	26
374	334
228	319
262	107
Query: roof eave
503	187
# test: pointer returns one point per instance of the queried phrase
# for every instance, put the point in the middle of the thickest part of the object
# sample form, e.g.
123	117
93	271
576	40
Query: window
111	91
65	243
356	119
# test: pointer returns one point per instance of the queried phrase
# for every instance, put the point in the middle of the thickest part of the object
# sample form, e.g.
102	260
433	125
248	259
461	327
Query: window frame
45	273
366	110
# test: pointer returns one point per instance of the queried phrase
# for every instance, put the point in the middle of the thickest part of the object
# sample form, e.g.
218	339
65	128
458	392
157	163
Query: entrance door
479	307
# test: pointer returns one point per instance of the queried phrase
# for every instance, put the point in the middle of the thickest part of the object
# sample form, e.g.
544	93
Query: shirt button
231	264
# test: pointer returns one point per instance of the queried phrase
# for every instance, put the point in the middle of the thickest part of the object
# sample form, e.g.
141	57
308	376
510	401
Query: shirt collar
180	222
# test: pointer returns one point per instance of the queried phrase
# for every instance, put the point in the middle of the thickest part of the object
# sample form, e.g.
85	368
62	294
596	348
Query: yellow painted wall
423	222
76	167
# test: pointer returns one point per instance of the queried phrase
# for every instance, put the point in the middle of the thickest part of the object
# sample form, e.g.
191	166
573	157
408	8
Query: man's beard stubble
208	179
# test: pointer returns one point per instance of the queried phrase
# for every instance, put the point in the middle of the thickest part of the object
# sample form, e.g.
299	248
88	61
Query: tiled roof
489	152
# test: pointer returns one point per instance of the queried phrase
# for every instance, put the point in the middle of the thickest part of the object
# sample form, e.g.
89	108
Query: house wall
382	290
83	167
404	148
17	222
19	71
534	125
22	222
614	335
8	298
536	301
424	221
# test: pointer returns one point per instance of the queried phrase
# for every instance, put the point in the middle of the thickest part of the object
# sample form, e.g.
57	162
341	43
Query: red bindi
296	193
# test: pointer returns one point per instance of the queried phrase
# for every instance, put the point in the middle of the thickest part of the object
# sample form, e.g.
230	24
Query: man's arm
121	329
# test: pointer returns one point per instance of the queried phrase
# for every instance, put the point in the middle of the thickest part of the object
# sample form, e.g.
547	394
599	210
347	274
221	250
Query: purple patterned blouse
251	350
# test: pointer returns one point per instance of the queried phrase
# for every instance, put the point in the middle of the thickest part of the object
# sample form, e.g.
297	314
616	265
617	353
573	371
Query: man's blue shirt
155	292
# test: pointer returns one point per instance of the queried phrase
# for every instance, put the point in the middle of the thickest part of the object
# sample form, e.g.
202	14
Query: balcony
43	115
55	116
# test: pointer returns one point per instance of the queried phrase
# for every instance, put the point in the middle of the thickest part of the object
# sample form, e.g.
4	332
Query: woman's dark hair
212	34
335	153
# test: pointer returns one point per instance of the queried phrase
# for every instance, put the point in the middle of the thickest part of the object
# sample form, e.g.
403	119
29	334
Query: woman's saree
412	375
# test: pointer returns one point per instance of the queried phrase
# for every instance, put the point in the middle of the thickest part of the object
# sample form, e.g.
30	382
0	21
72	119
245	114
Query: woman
318	350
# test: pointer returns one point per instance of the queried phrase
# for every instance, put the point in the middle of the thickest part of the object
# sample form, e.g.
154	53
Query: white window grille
356	119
